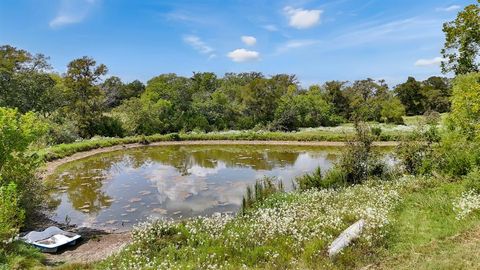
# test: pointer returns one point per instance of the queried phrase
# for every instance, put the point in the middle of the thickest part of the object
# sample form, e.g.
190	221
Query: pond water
118	189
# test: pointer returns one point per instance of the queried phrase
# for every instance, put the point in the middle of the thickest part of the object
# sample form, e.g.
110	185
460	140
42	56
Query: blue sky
317	40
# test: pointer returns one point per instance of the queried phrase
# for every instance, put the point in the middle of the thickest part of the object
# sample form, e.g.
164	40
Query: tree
303	110
410	94
392	111
462	42
259	100
466	105
334	94
143	116
85	97
365	99
113	88
433	94
24	81
133	89
436	92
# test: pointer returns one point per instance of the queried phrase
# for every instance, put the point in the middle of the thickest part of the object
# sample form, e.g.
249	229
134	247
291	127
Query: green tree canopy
465	112
462	42
84	95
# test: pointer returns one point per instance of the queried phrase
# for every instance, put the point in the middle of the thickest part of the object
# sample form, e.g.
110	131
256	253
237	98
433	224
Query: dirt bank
94	246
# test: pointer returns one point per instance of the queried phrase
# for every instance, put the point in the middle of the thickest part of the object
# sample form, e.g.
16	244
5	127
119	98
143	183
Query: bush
60	130
472	180
173	137
109	127
17	133
11	215
465	114
456	155
376	131
416	154
359	155
310	180
392	111
431	117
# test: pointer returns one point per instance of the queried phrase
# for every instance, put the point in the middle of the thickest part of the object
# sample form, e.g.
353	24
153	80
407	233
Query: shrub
109	127
465	115
456	155
431	117
11	215
472	180
416	153
174	137
392	111
376	131
60	130
310	180
359	155
17	132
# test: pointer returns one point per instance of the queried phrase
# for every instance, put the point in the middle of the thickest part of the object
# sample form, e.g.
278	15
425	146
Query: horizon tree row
83	102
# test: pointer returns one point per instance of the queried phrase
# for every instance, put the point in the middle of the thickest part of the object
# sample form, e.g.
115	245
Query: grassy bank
405	218
330	134
411	224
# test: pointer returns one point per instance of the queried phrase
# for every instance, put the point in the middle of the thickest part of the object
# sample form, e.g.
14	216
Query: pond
117	189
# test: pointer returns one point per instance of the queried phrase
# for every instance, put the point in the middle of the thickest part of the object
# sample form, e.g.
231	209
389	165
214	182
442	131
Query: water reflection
120	188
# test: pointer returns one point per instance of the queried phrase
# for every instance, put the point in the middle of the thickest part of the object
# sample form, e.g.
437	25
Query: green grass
20	256
423	234
456	252
426	234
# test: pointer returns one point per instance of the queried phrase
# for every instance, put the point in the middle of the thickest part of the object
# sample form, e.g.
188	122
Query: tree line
83	102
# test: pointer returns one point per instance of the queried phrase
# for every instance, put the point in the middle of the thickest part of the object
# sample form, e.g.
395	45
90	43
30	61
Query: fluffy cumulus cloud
302	18
249	40
243	55
429	62
72	11
199	45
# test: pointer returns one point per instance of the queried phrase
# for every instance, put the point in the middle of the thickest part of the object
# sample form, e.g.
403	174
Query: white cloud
72	11
449	8
393	31
61	20
429	62
270	27
294	44
249	40
302	18
242	55
199	45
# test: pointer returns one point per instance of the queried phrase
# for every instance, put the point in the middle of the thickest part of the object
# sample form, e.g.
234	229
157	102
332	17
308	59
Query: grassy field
426	233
